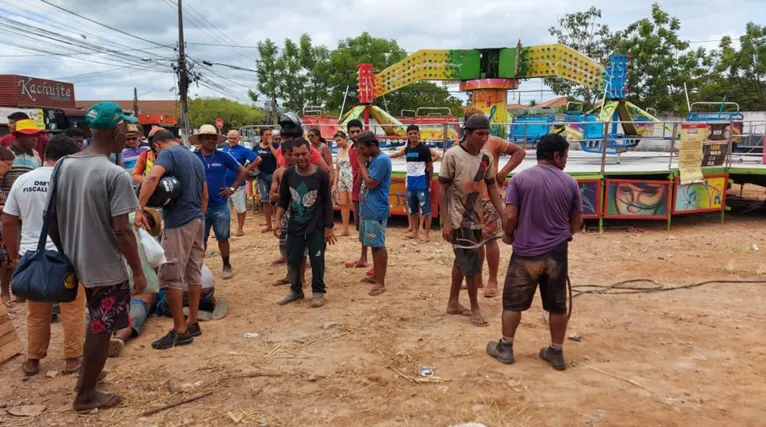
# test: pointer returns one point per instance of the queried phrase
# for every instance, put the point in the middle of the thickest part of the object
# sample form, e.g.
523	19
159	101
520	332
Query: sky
145	32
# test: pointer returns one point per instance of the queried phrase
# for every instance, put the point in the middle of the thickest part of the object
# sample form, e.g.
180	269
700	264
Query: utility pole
183	78
135	102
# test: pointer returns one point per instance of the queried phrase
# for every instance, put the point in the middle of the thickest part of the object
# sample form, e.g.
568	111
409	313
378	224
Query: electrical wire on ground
621	288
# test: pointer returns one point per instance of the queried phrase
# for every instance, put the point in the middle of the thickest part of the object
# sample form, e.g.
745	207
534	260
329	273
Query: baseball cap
367	137
27	127
107	115
477	121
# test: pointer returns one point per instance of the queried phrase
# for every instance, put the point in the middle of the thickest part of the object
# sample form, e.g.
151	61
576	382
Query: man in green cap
93	198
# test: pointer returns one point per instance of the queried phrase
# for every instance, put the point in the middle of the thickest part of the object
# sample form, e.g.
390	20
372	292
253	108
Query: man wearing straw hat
216	163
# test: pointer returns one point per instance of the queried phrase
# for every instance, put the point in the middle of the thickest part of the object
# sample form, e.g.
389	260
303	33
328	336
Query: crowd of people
101	191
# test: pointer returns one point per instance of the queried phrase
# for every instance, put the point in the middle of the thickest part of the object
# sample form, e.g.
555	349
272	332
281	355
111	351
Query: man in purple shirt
543	210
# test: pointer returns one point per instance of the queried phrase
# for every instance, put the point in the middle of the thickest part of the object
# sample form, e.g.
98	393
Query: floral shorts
493	221
109	308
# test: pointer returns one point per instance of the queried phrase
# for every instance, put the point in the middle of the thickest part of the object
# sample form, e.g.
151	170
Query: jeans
296	247
219	218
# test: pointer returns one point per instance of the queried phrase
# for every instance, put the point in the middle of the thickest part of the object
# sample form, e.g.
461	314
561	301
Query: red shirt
42	141
315	157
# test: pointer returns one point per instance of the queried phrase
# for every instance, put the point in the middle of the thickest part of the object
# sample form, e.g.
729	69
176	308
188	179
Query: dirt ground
682	358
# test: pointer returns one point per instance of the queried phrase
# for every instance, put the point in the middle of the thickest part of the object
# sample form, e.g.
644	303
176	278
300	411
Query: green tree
206	110
381	53
583	32
270	70
742	71
661	62
315	61
293	79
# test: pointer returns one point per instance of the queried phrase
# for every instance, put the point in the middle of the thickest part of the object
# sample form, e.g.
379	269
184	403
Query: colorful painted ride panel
528	129
494	104
637	199
590	193
557	60
706	196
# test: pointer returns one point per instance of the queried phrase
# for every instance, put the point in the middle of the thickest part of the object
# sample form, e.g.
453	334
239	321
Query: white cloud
414	24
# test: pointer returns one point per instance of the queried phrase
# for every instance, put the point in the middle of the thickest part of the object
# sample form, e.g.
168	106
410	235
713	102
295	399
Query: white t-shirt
207	279
26	200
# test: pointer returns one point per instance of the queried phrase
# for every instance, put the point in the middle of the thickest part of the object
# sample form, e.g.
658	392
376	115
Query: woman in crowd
343	179
320	144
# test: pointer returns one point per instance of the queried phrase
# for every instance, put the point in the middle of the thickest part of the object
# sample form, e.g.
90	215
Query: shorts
139	311
419	202
549	270
219	218
468	261
283	235
238	200
185	253
264	186
372	233
108	308
493	221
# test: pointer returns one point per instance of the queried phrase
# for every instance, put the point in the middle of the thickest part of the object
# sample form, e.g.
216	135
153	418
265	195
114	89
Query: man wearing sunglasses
133	148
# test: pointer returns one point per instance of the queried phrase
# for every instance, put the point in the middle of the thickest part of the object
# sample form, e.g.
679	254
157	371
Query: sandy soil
689	357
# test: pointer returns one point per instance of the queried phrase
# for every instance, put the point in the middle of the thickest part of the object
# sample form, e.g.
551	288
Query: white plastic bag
154	252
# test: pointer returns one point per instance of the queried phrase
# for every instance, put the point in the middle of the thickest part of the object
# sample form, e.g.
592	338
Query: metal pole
183	84
672	143
603	147
343	106
727	163
445	137
135	102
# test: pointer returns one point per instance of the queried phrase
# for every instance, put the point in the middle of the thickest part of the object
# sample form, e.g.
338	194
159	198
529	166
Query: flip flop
28	373
281	282
371	272
377	291
113	401
462	311
354	264
221	307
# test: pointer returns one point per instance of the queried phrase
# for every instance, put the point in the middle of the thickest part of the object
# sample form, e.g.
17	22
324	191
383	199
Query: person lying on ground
140	305
210	307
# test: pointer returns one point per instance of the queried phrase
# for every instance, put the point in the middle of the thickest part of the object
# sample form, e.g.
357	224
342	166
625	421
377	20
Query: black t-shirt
309	199
269	163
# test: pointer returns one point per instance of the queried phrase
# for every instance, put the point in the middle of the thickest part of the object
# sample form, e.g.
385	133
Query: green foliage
302	74
206	110
662	62
583	32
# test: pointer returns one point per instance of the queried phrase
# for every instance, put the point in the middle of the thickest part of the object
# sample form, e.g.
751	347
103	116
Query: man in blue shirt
242	155
375	208
216	163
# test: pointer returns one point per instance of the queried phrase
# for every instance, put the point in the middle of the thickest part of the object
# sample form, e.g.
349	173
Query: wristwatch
232	189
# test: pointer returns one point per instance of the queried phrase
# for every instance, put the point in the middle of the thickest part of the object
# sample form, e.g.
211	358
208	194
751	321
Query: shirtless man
492	219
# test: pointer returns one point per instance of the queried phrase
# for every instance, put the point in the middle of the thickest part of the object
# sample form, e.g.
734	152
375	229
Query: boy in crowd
305	190
375	176
463	170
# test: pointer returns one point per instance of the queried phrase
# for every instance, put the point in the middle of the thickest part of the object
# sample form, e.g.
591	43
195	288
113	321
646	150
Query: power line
103	25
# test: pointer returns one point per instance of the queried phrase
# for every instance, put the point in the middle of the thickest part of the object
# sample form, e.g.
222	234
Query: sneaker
171	340
317	300
193	330
115	347
554	357
291	297
501	351
226	274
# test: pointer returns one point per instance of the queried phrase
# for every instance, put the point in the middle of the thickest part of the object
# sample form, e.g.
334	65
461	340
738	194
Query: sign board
716	146
219	123
690	151
22	91
33	113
